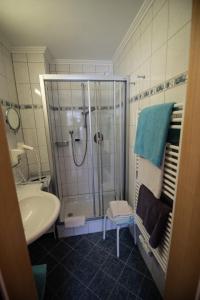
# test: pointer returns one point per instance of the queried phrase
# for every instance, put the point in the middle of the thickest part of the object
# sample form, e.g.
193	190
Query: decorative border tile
7	103
171	83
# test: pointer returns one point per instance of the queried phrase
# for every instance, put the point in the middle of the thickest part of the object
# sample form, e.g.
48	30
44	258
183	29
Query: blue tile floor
86	267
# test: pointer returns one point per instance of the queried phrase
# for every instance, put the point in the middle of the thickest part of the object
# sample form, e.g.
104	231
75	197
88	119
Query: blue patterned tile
97	255
149	290
121	293
94	237
113	266
102	285
131	279
72	241
88	295
107	244
135	261
60	250
86	271
72	260
126	238
50	294
72	289
84	247
57	277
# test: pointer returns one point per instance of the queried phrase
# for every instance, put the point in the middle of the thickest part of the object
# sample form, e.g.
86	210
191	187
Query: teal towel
39	273
152	130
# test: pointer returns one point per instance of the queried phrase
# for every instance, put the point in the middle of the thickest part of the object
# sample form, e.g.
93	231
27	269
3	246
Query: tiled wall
158	50
8	97
27	67
72	67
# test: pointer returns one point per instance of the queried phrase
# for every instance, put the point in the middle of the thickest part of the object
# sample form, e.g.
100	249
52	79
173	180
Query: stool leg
118	228
104	227
135	235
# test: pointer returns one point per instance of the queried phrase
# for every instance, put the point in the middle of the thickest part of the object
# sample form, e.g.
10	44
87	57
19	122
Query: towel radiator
169	186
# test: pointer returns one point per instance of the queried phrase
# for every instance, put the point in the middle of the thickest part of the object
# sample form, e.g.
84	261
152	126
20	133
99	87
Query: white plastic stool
118	222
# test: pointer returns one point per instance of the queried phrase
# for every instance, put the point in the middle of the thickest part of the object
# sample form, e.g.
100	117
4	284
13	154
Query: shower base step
95	225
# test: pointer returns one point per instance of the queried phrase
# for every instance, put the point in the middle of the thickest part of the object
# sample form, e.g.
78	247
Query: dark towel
154	214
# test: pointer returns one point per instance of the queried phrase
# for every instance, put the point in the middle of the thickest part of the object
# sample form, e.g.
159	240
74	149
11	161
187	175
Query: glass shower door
86	116
107	137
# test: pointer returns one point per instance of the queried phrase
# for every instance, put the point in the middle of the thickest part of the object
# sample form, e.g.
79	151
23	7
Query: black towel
154	214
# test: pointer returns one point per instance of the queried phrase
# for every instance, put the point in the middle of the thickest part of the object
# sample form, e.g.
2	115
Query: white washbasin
39	211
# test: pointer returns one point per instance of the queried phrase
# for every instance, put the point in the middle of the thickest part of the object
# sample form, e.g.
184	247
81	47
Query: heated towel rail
169	186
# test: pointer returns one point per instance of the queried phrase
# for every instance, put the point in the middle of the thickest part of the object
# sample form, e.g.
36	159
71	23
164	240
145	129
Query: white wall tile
27	118
30	137
19	57
145	70
133	112
180	12
101	68
76	68
144	103
3	87
33	168
45	167
52	68
160	26
177	94
31	156
36	69
8	67
36	93
21	72
158	66
157	99
44	154
157	4
2	66
146	43
12	95
178	52
35	57
62	68
24	93
146	20
88	68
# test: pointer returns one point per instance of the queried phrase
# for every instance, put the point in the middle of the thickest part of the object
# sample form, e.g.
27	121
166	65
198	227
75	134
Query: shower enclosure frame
87	79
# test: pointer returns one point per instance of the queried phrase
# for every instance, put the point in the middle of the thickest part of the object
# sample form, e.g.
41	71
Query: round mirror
13	119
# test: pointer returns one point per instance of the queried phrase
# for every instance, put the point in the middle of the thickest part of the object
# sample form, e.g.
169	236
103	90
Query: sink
39	210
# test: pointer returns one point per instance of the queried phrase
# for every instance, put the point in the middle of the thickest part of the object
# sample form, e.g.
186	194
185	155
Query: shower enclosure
85	121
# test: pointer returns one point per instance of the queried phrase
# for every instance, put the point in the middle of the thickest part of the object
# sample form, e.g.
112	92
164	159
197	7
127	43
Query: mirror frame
8	122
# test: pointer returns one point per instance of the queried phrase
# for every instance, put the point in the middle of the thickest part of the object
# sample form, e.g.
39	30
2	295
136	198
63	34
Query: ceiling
71	29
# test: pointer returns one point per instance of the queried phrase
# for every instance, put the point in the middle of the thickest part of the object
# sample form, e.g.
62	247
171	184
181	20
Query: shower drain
70	214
